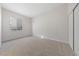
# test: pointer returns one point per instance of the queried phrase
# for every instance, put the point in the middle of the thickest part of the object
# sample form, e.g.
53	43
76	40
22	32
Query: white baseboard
56	40
45	37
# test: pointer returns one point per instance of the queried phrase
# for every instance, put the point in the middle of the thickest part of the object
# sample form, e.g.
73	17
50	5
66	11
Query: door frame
74	25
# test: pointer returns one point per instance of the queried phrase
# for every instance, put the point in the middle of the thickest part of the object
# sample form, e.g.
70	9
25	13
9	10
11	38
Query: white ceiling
30	9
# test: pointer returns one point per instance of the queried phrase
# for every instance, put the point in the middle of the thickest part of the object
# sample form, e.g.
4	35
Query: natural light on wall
15	24
42	36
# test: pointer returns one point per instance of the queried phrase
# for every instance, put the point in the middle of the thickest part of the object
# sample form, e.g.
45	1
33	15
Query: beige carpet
34	46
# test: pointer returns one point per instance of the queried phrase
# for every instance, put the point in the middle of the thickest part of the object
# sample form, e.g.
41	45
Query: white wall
71	30
76	30
53	24
0	25
8	34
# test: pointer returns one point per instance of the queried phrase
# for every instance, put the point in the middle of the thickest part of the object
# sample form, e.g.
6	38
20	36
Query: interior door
76	30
